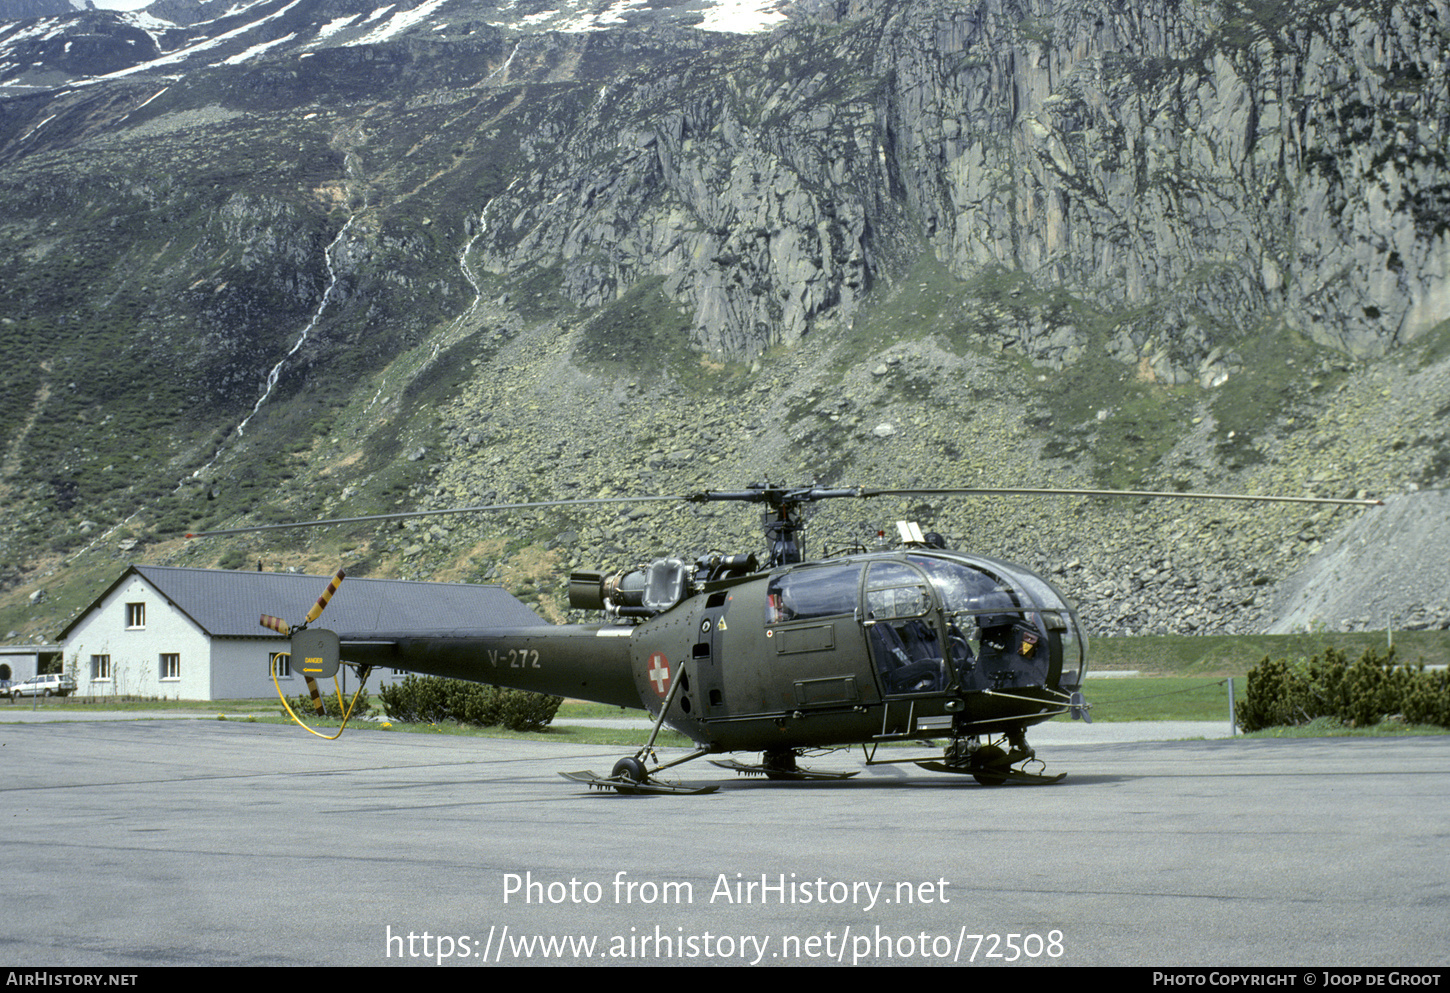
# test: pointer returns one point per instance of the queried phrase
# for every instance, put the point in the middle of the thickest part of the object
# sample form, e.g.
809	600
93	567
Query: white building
195	634
19	662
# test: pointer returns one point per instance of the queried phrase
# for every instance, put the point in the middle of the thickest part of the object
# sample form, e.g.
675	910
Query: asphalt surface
147	842
1052	733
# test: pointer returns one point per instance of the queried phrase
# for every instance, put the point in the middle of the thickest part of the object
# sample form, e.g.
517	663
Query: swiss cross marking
659	673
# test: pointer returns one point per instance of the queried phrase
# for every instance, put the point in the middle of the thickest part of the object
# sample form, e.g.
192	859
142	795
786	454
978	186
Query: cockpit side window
900	617
824	591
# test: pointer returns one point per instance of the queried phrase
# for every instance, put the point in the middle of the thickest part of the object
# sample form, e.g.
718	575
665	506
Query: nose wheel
991	764
629	774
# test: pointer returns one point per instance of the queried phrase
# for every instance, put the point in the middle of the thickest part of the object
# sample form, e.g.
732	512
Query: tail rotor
320	653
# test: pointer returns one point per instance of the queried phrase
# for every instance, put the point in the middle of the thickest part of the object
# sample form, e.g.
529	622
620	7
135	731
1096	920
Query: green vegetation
430	700
1141	420
1329	727
926	300
644	333
1432	347
1212	656
356	704
1124	419
1185	678
265	706
1357	694
1149	698
1157	699
1249	403
267	711
536	293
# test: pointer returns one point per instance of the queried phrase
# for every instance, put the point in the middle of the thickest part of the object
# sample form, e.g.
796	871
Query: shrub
1359	693
1283	693
1427	699
429	699
303	707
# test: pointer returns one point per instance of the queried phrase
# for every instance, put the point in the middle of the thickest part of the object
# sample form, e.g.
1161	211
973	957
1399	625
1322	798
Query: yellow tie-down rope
312	684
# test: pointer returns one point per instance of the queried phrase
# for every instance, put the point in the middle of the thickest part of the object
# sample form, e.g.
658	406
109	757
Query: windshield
1005	626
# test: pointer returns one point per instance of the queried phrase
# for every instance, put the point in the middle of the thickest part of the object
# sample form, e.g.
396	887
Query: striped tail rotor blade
321	604
316	697
276	624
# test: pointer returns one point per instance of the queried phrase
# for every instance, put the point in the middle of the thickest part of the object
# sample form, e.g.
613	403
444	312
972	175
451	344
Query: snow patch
743	16
257	50
726	16
400	22
334	26
182	54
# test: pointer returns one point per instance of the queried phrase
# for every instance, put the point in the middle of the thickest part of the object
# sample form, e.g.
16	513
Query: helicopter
905	642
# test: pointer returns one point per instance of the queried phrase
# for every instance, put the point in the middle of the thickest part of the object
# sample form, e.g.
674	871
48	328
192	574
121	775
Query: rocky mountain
19	10
298	258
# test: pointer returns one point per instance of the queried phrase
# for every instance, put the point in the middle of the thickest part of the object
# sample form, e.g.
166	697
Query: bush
303	707
429	699
1427	699
1359	693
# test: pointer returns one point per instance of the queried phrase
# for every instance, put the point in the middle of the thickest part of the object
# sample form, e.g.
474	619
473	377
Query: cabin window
904	639
801	594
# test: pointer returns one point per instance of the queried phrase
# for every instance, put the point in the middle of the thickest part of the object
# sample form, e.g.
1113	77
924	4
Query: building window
135	616
100	667
171	667
282	665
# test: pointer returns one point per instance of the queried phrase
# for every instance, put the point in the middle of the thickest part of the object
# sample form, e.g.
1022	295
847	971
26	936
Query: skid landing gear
991	764
779	765
627	781
631	777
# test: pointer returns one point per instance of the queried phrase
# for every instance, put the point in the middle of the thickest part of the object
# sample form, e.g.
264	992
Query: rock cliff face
1201	170
1187	173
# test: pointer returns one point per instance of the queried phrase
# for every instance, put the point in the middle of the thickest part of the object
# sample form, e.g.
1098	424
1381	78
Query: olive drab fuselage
852	650
860	649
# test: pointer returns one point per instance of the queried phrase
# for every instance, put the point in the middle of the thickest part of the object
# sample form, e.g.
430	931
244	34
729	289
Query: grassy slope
1234	655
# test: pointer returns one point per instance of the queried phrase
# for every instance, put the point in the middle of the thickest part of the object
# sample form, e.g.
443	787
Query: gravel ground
1390	567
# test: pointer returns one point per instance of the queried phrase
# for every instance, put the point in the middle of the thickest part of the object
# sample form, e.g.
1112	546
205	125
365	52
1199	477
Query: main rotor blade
403	515
808	494
1157	494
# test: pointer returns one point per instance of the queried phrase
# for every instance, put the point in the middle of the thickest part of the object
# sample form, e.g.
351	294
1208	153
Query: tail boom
582	661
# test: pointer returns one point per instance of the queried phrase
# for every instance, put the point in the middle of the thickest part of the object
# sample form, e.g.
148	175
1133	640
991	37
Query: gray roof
229	604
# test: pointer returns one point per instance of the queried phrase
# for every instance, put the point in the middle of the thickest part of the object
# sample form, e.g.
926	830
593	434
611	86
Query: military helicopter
863	647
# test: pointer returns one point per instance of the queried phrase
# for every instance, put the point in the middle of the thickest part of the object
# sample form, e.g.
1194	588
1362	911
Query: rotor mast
782	532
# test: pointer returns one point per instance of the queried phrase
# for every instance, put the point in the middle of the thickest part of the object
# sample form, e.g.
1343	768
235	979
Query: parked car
53	684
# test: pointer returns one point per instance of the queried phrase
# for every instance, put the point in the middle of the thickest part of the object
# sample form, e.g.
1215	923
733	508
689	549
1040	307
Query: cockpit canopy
941	619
